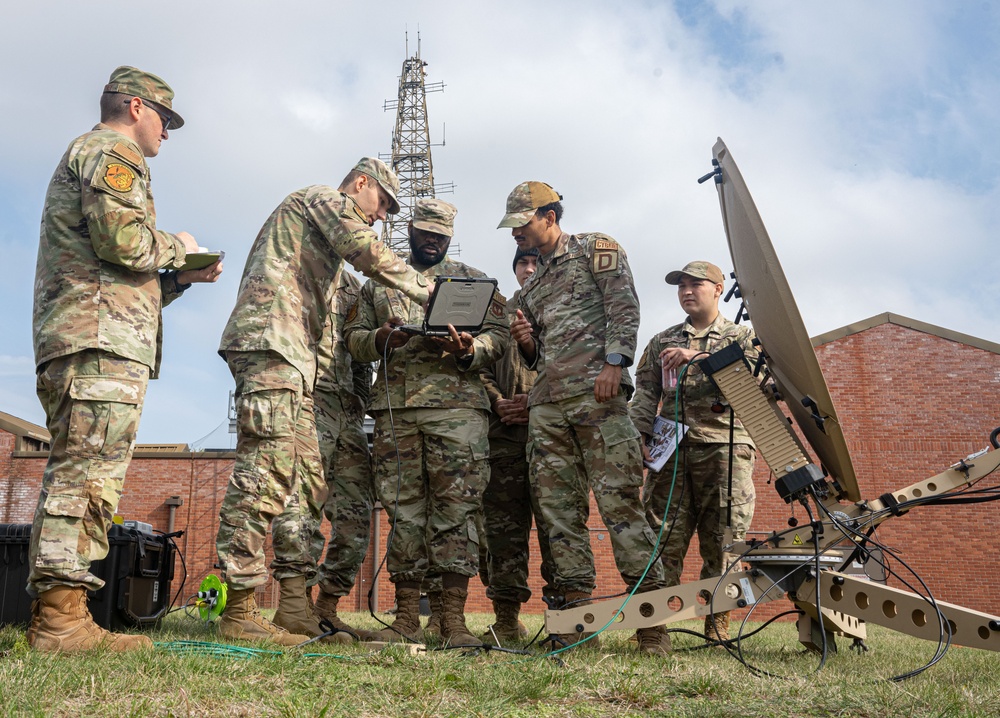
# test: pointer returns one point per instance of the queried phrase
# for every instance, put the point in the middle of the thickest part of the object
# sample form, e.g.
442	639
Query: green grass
610	681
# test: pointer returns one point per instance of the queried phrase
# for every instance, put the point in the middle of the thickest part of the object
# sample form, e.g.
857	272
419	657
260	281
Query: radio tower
411	149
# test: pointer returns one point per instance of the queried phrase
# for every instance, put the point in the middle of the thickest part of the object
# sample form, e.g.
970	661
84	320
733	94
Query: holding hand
387	334
676	357
211	273
461	345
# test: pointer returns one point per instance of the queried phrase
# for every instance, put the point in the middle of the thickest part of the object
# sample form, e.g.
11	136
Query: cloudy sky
866	132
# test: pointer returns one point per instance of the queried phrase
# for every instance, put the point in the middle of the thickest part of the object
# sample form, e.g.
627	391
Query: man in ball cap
714	494
576	322
99	291
437	428
270	345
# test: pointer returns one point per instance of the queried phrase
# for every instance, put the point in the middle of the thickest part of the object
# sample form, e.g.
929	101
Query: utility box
137	573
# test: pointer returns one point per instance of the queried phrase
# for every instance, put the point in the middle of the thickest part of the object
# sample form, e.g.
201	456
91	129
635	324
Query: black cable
399	483
944	626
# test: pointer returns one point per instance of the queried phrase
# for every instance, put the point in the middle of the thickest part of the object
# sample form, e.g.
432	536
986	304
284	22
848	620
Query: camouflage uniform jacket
293	270
420	374
97	284
509	376
705	426
337	374
583	306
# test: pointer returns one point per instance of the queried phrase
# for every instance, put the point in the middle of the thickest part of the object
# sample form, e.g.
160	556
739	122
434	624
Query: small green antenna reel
211	598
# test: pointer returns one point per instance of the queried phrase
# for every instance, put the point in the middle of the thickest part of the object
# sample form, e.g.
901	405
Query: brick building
912	398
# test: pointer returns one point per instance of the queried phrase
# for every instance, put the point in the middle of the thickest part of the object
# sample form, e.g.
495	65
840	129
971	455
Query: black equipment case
137	573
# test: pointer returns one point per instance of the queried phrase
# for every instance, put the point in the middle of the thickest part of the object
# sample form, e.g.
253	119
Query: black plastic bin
137	572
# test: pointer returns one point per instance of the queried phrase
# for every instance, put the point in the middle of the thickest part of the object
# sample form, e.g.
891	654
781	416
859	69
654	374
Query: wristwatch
615	359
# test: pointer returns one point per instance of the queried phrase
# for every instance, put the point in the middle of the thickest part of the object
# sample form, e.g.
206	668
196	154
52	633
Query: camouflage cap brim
516	219
434	227
394	207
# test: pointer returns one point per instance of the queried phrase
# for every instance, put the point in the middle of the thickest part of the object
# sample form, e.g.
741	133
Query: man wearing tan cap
270	345
431	451
98	296
715	447
577	321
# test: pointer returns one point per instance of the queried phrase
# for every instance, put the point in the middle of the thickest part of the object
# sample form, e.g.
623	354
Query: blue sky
866	132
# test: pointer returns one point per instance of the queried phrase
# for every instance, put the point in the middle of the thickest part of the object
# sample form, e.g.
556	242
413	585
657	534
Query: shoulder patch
352	313
498	307
605	260
609	244
127	153
119	177
642	361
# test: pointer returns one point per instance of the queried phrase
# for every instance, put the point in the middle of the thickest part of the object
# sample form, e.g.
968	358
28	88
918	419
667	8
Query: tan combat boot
507	627
575	599
454	632
61	623
326	608
406	626
433	629
717	626
295	612
242	619
654	641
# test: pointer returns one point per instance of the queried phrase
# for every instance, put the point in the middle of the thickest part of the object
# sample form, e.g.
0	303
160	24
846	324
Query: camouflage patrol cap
386	178
435	215
524	200
136	83
698	270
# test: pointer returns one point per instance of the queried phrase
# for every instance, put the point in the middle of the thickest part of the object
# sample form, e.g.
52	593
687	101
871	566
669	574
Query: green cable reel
211	598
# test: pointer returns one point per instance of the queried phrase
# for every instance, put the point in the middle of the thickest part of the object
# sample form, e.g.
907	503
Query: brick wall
911	404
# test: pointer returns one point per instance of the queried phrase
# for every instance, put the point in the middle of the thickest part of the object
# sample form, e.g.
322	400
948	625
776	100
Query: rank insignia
119	177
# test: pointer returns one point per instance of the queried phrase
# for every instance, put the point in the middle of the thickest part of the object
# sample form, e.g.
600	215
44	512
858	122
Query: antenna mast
410	158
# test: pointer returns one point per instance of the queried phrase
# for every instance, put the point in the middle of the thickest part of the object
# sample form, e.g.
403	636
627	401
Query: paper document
663	441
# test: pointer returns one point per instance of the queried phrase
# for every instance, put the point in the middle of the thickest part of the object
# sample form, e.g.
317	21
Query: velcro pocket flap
618	429
66	505
106	388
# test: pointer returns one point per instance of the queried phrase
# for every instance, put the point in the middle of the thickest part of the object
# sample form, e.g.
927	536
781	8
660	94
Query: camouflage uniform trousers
508	506
576	446
351	499
92	401
699	504
276	450
433	499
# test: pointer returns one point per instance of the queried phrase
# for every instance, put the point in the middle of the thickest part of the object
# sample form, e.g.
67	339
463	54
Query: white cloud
864	134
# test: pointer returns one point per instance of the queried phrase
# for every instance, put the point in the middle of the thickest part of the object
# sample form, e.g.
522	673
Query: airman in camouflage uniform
270	345
341	395
431	452
576	322
701	494
99	292
508	503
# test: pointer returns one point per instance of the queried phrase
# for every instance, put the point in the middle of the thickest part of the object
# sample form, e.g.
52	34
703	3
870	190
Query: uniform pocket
104	416
66	505
618	429
480	449
266	414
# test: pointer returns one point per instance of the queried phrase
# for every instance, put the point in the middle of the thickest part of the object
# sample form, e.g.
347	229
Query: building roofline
20	427
901	321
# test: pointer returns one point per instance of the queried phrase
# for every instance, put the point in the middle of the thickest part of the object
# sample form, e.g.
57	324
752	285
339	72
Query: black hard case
137	573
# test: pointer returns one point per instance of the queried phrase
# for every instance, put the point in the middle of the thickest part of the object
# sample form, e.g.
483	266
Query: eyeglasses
165	119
